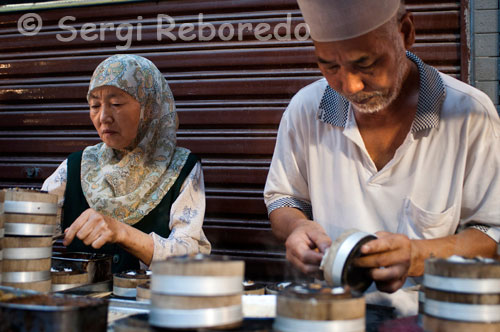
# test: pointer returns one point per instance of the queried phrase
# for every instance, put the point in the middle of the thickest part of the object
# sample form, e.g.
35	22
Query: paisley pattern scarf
127	184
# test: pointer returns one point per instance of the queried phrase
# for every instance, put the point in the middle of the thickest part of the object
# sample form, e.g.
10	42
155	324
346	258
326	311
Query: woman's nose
106	114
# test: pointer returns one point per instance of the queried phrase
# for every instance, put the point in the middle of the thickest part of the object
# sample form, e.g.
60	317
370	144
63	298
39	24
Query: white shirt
445	175
186	215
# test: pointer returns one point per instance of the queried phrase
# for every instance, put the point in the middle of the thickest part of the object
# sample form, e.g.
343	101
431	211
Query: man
384	144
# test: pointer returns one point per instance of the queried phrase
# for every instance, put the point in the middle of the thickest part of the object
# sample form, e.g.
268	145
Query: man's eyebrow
361	60
323	61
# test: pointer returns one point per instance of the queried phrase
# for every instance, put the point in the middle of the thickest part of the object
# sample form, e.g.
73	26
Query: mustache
361	96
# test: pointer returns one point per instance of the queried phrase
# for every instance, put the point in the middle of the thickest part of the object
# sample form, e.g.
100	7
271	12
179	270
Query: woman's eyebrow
113	95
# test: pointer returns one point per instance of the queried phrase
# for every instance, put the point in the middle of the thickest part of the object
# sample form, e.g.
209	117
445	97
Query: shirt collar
334	108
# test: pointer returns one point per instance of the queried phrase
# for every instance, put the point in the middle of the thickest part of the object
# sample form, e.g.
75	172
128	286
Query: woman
135	195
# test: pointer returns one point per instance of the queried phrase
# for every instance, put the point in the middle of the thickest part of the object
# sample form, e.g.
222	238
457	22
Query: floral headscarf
127	184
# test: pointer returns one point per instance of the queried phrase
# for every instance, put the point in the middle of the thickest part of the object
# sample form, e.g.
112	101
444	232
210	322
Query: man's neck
383	132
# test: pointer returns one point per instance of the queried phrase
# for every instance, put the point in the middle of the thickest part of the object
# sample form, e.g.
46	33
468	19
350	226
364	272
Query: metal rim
25	207
486	313
463	285
27	253
286	324
61	287
124	292
342	255
25	276
196	318
197	285
29	229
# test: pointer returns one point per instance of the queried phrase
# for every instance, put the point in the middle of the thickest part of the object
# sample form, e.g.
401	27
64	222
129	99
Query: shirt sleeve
56	184
186	221
481	191
286	184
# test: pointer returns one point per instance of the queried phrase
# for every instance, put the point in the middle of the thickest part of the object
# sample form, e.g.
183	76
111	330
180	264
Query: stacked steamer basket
197	292
143	292
318	308
29	222
125	283
462	295
67	278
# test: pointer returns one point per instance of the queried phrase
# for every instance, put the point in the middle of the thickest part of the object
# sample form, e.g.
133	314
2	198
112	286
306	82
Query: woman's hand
95	230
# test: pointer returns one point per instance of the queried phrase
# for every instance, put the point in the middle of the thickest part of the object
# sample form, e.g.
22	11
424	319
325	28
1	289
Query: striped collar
334	108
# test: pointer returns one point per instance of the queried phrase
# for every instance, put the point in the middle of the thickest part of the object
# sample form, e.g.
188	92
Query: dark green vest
155	221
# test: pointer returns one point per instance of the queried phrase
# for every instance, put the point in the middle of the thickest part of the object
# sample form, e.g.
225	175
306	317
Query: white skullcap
333	20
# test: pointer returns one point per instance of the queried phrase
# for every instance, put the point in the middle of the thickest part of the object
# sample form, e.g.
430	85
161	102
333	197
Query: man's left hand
389	258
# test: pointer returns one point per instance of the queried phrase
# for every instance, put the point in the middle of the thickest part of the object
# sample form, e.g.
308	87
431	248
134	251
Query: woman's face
115	115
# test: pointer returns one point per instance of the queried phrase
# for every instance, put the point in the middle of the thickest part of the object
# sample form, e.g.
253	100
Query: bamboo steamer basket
26	263
98	266
462	295
318	308
143	292
337	266
125	283
29	213
197	292
67	278
251	287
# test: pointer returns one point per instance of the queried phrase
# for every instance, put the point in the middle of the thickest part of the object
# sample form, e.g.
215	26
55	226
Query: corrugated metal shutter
230	96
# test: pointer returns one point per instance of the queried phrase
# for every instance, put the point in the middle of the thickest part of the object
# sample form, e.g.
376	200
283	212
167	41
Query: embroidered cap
334	20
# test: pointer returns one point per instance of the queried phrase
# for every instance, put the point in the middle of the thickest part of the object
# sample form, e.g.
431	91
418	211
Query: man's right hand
306	245
306	240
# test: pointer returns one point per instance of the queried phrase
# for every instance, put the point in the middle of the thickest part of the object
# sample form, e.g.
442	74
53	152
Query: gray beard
382	101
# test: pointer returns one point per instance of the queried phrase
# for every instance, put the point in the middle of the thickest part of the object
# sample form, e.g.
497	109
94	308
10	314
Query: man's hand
389	258
94	229
301	245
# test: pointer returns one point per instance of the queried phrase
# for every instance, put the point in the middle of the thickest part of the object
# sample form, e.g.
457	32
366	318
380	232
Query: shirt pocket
418	223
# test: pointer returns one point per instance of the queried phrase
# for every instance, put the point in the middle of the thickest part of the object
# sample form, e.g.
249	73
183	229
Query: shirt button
116	258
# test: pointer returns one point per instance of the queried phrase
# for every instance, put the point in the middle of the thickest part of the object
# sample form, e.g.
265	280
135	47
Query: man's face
368	70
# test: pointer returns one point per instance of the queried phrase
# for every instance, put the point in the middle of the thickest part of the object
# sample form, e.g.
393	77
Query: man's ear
407	30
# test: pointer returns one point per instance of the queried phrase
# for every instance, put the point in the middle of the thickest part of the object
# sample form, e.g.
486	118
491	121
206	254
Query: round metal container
337	263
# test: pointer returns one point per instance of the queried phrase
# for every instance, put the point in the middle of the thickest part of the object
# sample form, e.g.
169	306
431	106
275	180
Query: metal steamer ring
197	285
24	207
27	253
24	277
29	229
124	292
286	324
61	287
486	313
196	318
340	271
462	285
